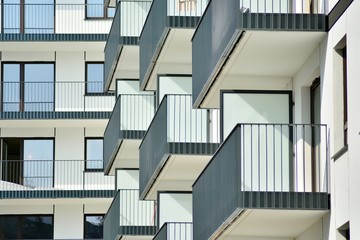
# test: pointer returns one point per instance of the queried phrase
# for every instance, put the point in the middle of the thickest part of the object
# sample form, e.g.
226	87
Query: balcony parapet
54	179
262	166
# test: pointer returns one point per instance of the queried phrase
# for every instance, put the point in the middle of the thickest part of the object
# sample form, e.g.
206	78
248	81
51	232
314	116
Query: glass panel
94	153
39	87
11	87
95	77
11	16
39	16
38	163
26	227
111	11
93	227
95	9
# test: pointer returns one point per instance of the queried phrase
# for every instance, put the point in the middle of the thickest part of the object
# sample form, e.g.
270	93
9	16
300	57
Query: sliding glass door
28	87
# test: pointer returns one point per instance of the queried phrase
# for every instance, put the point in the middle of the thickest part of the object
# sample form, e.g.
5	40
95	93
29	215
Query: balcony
128	216
256	38
122	46
54	100
177	146
55	22
274	176
175	231
53	179
128	123
165	40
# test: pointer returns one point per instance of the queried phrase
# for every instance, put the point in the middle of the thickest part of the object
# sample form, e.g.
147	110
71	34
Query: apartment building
217	120
234	119
53	115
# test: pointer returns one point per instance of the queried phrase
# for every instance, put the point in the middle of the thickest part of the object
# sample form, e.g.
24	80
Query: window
94	77
93	154
93	226
28	16
98	9
28	162
28	87
340	98
26	227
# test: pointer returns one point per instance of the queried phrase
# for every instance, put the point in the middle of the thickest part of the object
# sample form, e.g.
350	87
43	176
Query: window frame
19	219
86	169
92	215
22	84
90	93
22	4
105	13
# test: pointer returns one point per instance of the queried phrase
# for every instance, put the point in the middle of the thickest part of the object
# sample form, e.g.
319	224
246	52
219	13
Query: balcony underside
126	64
51	201
126	153
270	223
178	170
128	237
23	194
173	57
260	60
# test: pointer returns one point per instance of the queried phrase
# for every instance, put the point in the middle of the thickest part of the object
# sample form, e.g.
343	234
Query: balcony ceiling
178	174
127	156
264	224
272	55
174	57
128	65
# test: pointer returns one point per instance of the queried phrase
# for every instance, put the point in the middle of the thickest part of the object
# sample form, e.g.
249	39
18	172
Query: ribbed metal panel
261	166
54	115
51	37
127	216
161	18
220	29
24	194
175	231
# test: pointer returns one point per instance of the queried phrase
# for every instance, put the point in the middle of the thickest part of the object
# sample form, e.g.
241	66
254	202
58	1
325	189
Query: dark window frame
22	5
345	94
105	12
85	156
21	154
19	216
90	93
92	215
22	82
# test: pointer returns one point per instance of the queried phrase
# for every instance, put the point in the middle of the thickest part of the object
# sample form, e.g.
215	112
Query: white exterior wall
68	222
127	179
174	85
174	207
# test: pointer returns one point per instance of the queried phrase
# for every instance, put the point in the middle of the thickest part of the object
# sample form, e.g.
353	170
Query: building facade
180	119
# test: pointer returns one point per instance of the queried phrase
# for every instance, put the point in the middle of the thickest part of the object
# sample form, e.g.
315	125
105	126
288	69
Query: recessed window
94	154
97	9
93	226
94	77
26	227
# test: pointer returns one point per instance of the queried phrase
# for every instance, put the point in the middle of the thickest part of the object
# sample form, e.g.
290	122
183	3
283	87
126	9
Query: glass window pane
26	227
11	17
38	162
39	87
94	153
11	87
111	12
95	77
95	9
93	226
39	16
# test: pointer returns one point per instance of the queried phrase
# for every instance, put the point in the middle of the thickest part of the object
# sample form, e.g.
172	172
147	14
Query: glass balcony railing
55	97
128	215
55	18
54	178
